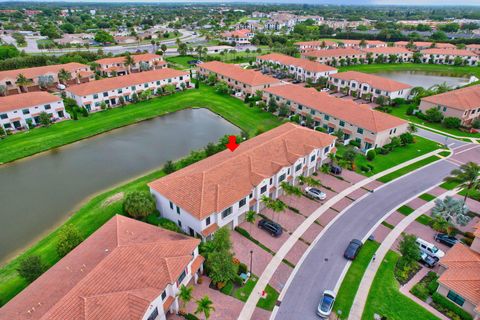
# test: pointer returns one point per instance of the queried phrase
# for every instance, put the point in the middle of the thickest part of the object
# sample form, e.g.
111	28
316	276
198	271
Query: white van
429	248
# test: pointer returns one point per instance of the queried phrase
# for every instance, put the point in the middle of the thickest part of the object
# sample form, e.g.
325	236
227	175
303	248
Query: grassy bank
386	300
351	282
41	139
403	171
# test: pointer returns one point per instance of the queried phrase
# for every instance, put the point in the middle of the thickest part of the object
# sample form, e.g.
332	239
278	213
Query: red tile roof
247	76
347	110
114	274
25	100
305	64
463	272
32	73
387	50
374	81
317	43
136	57
243	33
357	42
450	52
334	53
439	45
213	184
124	81
461	99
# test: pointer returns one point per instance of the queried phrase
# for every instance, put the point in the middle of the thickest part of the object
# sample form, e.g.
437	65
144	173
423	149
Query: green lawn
41	139
244	292
403	171
427	197
94	213
385	299
405	210
181	61
351	282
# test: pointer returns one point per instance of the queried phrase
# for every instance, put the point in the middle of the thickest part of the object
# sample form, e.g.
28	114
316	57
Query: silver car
315	193
326	304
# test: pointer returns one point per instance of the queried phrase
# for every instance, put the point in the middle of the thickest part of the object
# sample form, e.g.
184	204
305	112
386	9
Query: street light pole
251	261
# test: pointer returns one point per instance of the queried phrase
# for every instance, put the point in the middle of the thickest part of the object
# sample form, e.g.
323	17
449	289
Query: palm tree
468	177
129	62
291	190
412	128
23	82
64	76
185	295
309	181
275	205
250	217
205	306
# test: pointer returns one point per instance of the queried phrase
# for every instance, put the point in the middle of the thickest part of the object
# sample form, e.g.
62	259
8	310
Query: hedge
445	306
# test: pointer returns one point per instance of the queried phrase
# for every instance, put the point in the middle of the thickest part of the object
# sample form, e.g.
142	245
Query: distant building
449	56
116	66
356	44
399	53
335	56
462	103
304	46
240	37
17	111
127	269
421	45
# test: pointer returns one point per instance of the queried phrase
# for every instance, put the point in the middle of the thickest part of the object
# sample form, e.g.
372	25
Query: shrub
138	204
242	268
476	124
371	155
467	241
398	101
433	115
320	129
452	122
169	167
411	110
354	143
469	235
68	238
190	316
238	281
30	268
406	138
444	305
420	291
228	288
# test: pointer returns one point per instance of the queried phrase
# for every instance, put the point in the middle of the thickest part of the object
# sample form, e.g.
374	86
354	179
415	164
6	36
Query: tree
291	190
222	87
45	119
412	128
433	115
129	62
276	205
219	257
138	204
45	81
169	167
250	217
23	82
68	27
185	295
64	76
371	155
451	209
31	267
68	238
104	37
452	122
468	177
408	248
309	181
205	306
164	47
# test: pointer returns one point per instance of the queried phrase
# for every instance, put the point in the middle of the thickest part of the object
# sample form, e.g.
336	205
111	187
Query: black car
447	240
335	169
271	227
352	250
428	260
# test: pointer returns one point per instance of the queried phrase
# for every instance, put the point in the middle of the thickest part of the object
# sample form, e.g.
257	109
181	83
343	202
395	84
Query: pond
38	193
427	79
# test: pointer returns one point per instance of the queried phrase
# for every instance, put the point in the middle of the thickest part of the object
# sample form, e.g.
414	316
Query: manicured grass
181	61
351	282
403	171
244	292
405	210
41	139
473	194
425	220
388	225
427	197
385	299
449	185
444	153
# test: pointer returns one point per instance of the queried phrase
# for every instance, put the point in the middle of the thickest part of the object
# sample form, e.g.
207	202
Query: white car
61	86
429	248
325	90
315	193
325	306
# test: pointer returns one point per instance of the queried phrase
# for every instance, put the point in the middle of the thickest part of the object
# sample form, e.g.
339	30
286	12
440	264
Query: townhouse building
397	54
357	44
460	275
369	128
301	69
335	56
475	48
109	90
422	45
368	86
142	62
449	56
219	190
79	73
304	46
462	103
240	37
245	82
17	111
127	269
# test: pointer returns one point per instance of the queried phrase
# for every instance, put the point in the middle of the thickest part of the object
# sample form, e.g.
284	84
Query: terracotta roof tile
334	53
439	45
213	184
374	81
124	81
31	73
25	100
114	274
387	50
317	43
347	110
247	76
210	229
450	52
461	99
243	33
136	57
305	64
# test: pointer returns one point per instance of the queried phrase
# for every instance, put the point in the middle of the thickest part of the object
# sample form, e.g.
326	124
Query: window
95	96
3	116
178	209
341	123
60	114
263	189
164	294
282	177
105	94
327	117
298	167
145	85
360	130
455	298
207	222
171	205
119	91
326	149
179	223
251	195
7	125
47	107
182	276
300	107
242	202
226	212
158	83
312	158
271	180
154	314
133	88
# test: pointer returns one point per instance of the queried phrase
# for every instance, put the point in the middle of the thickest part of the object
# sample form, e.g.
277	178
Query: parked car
296	81
352	250
271	227
325	306
61	86
325	90
447	240
238	94
429	248
428	260
315	193
335	169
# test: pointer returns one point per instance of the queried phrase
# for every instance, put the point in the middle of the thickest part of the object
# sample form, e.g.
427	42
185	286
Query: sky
351	2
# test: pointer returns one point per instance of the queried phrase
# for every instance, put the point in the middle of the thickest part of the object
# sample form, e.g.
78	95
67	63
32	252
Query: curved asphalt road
324	264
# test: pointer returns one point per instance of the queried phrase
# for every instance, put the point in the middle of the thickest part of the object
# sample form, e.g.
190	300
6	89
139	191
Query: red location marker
232	143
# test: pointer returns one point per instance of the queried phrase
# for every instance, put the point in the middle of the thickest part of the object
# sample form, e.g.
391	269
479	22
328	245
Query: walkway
472	139
369	275
301	292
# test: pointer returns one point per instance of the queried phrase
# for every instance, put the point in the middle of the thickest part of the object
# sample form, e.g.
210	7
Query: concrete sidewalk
369	275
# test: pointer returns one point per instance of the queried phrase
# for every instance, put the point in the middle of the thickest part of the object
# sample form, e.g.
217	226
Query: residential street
324	265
